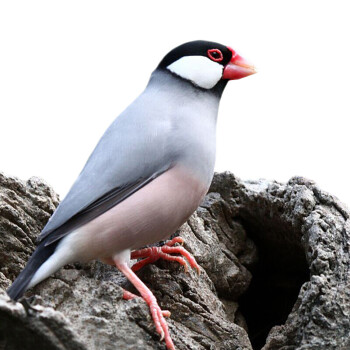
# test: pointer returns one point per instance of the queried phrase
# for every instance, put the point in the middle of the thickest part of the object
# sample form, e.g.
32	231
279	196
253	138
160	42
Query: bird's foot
156	312
129	296
152	254
159	321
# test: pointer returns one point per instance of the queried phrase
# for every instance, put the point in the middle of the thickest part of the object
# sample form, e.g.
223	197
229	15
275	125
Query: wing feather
100	206
133	151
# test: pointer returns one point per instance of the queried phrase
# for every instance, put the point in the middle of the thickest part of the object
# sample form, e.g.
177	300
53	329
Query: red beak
237	68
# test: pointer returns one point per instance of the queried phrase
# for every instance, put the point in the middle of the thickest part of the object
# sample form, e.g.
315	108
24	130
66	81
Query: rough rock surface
274	260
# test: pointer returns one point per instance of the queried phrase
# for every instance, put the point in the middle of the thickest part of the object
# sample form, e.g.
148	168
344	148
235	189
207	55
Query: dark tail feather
40	255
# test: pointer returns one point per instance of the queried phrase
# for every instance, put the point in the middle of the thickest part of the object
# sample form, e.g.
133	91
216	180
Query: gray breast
192	115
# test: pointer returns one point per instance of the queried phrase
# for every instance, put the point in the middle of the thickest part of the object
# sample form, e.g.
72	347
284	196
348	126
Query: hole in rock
278	275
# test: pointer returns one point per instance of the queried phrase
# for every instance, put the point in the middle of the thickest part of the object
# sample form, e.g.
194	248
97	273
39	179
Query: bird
146	176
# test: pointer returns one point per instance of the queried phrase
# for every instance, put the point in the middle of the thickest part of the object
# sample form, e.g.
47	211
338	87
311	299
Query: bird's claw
150	255
166	313
175	240
160	323
129	296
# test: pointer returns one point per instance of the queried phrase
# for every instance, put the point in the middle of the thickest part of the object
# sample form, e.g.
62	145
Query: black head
197	48
206	64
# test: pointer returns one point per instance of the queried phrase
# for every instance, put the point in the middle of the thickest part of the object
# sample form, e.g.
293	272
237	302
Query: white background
68	68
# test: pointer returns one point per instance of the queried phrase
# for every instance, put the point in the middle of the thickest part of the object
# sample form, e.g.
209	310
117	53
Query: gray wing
133	151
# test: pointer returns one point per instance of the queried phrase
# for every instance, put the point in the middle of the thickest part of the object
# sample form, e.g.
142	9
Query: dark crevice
278	275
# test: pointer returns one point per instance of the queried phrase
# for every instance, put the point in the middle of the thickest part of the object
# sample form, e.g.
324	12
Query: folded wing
133	151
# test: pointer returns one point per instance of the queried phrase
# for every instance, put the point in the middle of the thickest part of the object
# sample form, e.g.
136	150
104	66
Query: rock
274	264
25	327
301	282
24	210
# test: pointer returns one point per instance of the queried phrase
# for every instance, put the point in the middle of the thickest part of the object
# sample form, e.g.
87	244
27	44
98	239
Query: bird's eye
215	55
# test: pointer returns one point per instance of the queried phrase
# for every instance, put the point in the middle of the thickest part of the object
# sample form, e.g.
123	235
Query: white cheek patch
198	69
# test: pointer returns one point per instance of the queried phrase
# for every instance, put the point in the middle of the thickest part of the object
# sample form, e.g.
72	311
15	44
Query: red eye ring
215	55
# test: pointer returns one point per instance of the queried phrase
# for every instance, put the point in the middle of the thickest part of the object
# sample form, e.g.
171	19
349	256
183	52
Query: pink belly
151	214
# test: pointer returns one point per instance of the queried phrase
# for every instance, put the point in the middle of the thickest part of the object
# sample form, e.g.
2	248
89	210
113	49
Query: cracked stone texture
291	238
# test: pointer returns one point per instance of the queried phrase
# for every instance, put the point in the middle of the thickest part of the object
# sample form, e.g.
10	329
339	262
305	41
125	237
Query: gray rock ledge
274	260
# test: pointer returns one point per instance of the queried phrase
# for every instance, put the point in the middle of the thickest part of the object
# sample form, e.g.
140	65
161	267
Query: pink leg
152	254
147	295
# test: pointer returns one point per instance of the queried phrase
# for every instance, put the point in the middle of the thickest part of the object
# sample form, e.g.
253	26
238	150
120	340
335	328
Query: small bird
148	173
